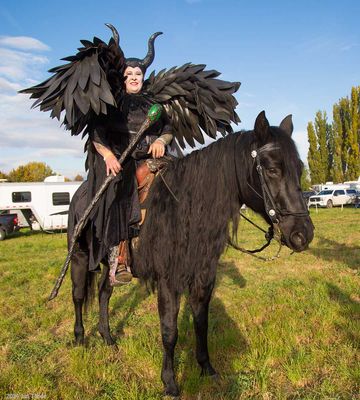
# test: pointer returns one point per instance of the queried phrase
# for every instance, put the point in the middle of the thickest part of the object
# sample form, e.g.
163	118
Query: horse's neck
214	170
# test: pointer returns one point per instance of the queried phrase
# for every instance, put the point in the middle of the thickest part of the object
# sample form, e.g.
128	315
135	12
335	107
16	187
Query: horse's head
274	182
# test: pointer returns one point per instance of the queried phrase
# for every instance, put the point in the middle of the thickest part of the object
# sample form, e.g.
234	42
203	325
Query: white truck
39	205
333	195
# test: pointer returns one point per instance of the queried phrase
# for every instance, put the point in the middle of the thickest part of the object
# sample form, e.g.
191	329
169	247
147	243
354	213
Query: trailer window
21	197
61	198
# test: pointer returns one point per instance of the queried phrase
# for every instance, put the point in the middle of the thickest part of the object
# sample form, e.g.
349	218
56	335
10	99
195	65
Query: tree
78	178
322	134
31	172
313	155
3	175
334	151
353	167
336	170
305	179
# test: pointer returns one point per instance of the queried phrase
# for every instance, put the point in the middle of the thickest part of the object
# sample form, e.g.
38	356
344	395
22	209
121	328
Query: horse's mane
190	230
189	210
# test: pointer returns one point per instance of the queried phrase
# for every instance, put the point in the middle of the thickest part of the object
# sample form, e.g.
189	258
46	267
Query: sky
290	57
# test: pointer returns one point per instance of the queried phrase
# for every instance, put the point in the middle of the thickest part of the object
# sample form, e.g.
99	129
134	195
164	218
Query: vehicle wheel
329	204
2	234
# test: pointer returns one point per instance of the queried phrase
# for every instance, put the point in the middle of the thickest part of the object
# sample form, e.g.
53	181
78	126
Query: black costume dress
116	215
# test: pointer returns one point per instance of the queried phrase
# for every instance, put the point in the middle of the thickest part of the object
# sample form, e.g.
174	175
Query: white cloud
300	138
6	86
20	66
23	43
25	134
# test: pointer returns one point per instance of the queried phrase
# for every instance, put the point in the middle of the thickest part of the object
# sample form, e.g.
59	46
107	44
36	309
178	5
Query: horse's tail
90	289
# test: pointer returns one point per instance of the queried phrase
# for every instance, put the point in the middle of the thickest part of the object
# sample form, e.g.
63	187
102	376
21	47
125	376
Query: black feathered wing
195	101
84	87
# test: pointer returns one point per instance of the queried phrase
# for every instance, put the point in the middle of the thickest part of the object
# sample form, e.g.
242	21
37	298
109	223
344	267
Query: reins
272	233
167	186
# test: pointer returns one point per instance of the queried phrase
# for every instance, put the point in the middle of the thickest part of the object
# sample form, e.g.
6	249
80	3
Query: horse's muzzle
300	236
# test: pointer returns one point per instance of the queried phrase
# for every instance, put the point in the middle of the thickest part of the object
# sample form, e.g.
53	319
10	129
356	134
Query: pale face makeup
134	79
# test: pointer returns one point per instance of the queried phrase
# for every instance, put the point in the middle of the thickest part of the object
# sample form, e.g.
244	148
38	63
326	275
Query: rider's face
134	79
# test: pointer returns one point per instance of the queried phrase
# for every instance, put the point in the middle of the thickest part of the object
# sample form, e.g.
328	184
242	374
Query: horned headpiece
137	62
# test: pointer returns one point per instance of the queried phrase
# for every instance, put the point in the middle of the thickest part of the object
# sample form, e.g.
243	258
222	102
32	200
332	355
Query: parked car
333	197
308	194
357	200
352	194
8	224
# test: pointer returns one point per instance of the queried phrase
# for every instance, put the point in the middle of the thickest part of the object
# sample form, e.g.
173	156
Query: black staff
152	116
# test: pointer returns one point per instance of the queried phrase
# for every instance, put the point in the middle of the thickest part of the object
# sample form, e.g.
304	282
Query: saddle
145	175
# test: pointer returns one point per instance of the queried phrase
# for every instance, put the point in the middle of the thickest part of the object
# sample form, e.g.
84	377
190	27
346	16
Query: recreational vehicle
39	205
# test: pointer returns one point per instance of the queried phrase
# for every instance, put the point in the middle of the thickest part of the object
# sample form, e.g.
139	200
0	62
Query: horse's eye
273	171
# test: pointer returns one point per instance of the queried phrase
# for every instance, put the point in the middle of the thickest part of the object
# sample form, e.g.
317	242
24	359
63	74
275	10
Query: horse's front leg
105	292
199	300
168	305
79	270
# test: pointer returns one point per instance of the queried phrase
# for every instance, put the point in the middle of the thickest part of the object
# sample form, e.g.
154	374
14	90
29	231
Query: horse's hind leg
105	292
199	300
79	270
168	305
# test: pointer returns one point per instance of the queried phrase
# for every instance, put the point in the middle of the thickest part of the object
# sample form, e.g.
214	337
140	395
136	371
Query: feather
196	101
82	86
84	74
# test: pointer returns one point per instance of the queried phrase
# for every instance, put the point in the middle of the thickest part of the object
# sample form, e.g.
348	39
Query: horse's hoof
215	377
79	341
209	371
172	390
109	341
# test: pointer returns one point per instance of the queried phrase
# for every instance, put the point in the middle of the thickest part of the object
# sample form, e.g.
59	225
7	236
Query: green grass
287	329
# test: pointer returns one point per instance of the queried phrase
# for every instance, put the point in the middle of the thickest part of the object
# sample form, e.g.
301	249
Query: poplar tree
313	155
345	128
305	179
334	152
336	170
353	161
321	130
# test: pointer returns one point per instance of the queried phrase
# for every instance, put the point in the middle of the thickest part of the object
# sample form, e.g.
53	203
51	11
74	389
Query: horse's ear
286	125
261	128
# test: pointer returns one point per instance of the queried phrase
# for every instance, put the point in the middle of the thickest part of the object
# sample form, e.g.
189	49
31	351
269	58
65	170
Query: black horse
186	229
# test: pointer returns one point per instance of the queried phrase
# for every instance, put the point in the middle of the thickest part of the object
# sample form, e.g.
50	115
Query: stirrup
122	276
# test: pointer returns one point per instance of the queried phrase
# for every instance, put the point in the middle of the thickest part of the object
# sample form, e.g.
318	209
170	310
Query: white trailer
39	205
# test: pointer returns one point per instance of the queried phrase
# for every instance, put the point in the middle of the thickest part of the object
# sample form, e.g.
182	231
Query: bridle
275	214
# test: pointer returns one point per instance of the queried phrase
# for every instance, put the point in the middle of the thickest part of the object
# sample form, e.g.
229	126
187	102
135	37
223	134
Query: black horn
151	50
115	33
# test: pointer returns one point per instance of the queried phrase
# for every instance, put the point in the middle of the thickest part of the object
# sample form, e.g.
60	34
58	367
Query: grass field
289	329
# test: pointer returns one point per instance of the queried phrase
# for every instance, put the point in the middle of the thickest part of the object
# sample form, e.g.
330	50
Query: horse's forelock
285	148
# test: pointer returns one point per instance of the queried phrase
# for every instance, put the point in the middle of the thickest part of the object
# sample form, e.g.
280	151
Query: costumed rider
102	94
109	136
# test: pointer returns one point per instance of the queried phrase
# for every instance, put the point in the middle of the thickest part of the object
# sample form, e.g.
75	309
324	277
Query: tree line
32	172
334	146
